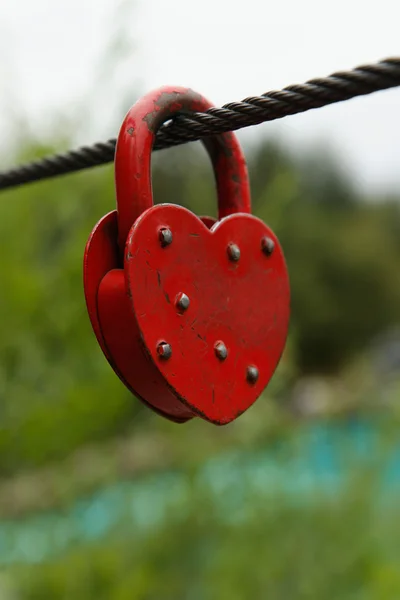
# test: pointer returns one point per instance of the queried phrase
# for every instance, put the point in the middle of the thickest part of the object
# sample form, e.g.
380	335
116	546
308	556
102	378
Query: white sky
53	55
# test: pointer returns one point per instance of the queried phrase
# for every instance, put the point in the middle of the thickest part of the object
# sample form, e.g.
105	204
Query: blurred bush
69	430
342	547
57	391
68	426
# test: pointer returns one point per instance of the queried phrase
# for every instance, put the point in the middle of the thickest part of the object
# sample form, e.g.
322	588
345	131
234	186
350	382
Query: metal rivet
221	350
267	245
233	252
182	301
164	350
165	236
252	374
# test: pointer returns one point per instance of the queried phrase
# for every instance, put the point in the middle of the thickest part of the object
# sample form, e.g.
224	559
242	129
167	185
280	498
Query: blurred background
298	499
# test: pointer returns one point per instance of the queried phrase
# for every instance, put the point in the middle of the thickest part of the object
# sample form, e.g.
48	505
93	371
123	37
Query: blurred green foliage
69	427
62	408
340	548
57	391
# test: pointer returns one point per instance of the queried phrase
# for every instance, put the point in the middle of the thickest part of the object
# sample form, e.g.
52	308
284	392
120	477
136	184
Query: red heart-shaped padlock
113	289
212	306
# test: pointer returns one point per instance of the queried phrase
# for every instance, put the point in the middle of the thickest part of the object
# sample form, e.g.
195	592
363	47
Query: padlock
191	313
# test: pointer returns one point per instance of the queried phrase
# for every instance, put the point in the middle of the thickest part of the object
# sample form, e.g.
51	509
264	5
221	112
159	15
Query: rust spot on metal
169	104
130	131
159	278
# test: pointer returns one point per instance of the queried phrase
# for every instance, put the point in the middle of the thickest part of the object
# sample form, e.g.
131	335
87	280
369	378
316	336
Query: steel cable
253	110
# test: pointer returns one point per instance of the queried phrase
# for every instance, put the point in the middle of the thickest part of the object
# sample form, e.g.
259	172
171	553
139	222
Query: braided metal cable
293	99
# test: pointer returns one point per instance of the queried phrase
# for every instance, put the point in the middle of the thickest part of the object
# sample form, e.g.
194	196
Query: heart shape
243	304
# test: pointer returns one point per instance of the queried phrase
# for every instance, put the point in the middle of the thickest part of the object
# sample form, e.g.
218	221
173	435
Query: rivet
221	350
233	252
267	245
165	236
252	374
182	301
164	350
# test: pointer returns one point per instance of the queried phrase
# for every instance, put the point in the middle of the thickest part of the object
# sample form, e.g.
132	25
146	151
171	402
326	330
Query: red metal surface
244	304
102	268
129	301
101	255
127	351
208	221
120	330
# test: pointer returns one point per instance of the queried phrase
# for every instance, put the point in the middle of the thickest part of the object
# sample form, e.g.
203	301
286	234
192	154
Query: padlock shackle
133	157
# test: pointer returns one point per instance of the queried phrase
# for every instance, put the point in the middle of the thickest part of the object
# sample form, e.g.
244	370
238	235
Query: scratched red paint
244	304
131	281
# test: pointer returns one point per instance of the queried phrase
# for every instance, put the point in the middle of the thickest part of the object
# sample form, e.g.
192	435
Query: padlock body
240	301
